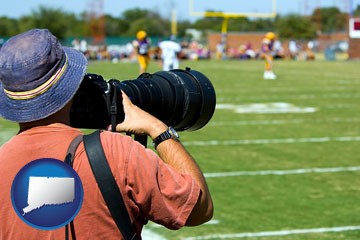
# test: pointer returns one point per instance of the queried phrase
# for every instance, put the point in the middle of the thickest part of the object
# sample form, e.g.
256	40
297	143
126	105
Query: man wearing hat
38	79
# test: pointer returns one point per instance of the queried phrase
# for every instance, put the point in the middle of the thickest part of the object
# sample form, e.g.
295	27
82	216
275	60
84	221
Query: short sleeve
163	195
151	189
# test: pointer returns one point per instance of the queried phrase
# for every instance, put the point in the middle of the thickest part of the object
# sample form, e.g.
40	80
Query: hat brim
51	101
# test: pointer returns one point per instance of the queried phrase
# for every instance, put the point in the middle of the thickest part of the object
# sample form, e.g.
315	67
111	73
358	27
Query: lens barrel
184	99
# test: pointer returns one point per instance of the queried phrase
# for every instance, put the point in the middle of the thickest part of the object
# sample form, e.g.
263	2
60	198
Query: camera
184	99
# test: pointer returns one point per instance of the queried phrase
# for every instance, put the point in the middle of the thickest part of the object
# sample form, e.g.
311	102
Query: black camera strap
69	159
107	184
113	107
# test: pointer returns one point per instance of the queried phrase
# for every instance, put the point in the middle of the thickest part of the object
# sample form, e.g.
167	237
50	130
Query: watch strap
168	134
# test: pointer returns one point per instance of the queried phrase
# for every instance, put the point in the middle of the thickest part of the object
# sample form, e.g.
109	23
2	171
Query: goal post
226	15
271	14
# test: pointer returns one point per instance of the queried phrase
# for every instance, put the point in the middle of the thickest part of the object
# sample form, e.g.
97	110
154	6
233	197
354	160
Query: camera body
184	99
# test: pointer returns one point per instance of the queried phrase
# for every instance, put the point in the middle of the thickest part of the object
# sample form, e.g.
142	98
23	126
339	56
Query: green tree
56	20
209	23
151	26
239	24
25	23
135	14
234	24
263	25
356	12
115	26
295	26
8	27
148	21
139	19
329	19
75	26
182	26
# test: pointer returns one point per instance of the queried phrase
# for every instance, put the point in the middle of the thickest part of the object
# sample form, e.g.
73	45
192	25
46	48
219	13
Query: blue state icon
47	194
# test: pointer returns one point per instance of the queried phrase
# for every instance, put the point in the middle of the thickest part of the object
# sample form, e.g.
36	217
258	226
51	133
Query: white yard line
276	233
282	172
281	121
272	141
297	97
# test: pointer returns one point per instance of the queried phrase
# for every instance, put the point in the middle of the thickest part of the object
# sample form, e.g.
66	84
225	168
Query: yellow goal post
227	15
194	13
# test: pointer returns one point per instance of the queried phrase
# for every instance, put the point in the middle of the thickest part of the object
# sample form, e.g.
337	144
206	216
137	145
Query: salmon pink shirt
151	189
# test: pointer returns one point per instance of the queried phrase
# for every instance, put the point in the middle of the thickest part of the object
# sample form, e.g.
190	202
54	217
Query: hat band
42	88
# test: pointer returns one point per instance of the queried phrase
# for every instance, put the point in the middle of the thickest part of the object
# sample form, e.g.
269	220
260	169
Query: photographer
38	79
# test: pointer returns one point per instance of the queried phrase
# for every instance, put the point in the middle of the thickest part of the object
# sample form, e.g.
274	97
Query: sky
18	8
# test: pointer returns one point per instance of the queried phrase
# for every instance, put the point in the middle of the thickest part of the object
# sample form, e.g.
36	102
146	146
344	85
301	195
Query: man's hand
139	122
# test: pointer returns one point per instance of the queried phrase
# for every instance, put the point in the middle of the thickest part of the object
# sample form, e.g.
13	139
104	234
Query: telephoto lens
184	99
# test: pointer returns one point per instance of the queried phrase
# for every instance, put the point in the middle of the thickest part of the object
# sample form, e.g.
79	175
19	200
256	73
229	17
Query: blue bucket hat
38	76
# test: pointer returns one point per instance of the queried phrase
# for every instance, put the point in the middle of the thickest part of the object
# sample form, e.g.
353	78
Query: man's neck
43	122
62	116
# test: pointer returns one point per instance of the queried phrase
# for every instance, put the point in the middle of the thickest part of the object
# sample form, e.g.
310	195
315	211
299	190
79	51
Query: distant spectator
246	51
293	49
76	44
309	54
278	50
83	46
220	49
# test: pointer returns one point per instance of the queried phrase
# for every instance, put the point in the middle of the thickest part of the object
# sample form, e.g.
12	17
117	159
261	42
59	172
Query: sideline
276	233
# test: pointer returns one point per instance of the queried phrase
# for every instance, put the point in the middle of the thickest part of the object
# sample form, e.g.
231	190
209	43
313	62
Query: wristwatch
170	133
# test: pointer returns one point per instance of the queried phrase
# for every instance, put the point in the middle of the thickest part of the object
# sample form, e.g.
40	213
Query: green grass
262	203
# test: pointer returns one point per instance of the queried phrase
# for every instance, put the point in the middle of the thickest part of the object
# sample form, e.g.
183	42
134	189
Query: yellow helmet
270	36
141	34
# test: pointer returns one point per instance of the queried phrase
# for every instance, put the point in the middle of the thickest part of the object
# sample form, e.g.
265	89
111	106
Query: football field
282	157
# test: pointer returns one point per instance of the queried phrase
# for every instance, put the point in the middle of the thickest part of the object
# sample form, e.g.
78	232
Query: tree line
64	24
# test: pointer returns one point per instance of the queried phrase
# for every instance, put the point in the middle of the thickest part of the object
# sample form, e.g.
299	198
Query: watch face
174	133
